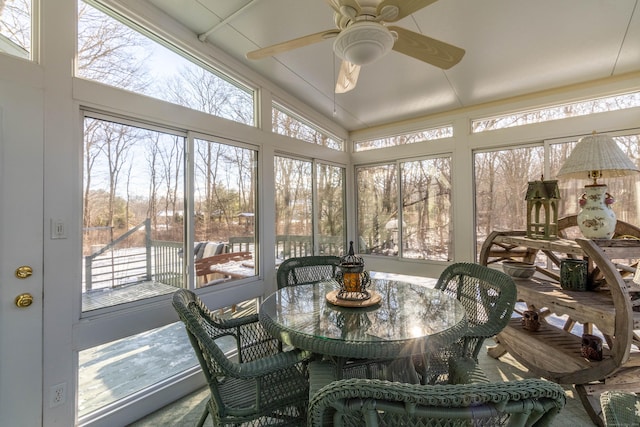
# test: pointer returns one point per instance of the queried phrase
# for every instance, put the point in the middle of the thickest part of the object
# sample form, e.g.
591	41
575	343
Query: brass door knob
24	300
23	272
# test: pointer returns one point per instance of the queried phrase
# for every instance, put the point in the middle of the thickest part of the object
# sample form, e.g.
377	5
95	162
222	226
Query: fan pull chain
333	83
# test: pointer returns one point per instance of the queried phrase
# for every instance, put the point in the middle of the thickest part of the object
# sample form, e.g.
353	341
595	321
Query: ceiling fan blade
405	7
292	44
347	77
435	52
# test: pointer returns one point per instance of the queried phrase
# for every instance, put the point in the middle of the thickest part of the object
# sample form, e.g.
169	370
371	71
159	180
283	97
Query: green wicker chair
488	296
620	408
309	269
263	386
372	403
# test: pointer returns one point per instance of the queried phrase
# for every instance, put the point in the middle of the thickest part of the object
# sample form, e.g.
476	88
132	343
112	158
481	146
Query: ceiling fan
361	37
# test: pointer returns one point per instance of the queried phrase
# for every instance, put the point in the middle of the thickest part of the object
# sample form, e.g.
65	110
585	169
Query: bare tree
15	25
91	152
117	141
198	88
114	54
151	158
171	156
110	52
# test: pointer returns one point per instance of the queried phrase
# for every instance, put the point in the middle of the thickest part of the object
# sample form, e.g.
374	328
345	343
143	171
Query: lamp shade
597	152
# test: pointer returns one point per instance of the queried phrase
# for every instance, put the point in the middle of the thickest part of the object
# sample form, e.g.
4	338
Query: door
21	258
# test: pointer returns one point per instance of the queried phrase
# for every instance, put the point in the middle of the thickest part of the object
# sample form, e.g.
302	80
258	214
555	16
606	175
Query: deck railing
114	265
289	246
118	264
168	262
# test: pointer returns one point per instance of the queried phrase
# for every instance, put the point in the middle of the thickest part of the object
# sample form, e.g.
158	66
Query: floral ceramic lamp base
596	220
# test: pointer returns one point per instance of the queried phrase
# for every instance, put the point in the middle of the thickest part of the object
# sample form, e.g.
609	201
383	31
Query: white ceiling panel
513	47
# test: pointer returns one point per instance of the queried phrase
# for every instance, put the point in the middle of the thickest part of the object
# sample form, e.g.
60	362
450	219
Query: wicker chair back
373	403
488	297
308	269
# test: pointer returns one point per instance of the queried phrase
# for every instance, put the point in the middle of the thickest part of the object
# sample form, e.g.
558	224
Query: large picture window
133	213
404	209
135	210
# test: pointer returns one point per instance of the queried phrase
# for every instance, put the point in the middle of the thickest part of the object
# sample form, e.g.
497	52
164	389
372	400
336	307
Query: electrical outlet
57	394
58	229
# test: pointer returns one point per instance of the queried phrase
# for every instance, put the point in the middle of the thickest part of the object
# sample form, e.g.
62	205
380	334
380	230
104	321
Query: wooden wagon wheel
590	379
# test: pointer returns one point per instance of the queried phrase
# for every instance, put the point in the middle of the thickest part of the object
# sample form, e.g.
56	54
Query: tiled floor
186	412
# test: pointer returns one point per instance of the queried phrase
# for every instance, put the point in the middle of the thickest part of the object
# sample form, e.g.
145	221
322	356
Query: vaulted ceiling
512	47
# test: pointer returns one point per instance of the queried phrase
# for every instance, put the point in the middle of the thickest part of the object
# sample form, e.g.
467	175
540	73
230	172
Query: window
501	178
133	213
500	182
331	209
287	123
557	112
407	138
114	372
225	205
126	57
404	209
623	189
295	185
15	28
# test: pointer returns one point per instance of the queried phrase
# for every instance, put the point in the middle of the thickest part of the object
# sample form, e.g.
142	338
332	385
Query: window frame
399	203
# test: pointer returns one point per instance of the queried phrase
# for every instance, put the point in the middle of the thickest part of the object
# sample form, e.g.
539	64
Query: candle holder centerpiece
353	281
352	277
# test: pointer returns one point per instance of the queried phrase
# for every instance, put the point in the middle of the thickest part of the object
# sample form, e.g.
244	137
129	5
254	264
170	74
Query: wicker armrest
465	370
270	364
235	322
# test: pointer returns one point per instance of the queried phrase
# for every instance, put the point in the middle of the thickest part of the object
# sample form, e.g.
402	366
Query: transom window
557	112
16	28
286	123
405	138
118	53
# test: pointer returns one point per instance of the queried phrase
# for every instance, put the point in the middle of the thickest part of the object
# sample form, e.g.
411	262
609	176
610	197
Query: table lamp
596	156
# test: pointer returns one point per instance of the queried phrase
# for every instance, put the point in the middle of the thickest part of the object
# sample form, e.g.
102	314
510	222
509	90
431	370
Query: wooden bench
204	266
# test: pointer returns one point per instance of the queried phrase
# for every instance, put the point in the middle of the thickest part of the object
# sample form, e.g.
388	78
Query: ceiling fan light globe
363	43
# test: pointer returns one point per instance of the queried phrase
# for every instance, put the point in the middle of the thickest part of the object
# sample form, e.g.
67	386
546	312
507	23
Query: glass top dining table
409	319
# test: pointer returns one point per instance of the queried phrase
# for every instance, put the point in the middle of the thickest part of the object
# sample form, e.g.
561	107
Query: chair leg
204	416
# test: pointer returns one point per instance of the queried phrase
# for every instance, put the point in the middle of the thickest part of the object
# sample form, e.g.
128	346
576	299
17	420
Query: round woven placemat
375	298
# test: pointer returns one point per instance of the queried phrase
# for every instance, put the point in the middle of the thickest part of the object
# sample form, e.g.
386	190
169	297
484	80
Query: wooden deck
108	297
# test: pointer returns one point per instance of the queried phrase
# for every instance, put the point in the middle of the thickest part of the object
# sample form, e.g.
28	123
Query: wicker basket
573	275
